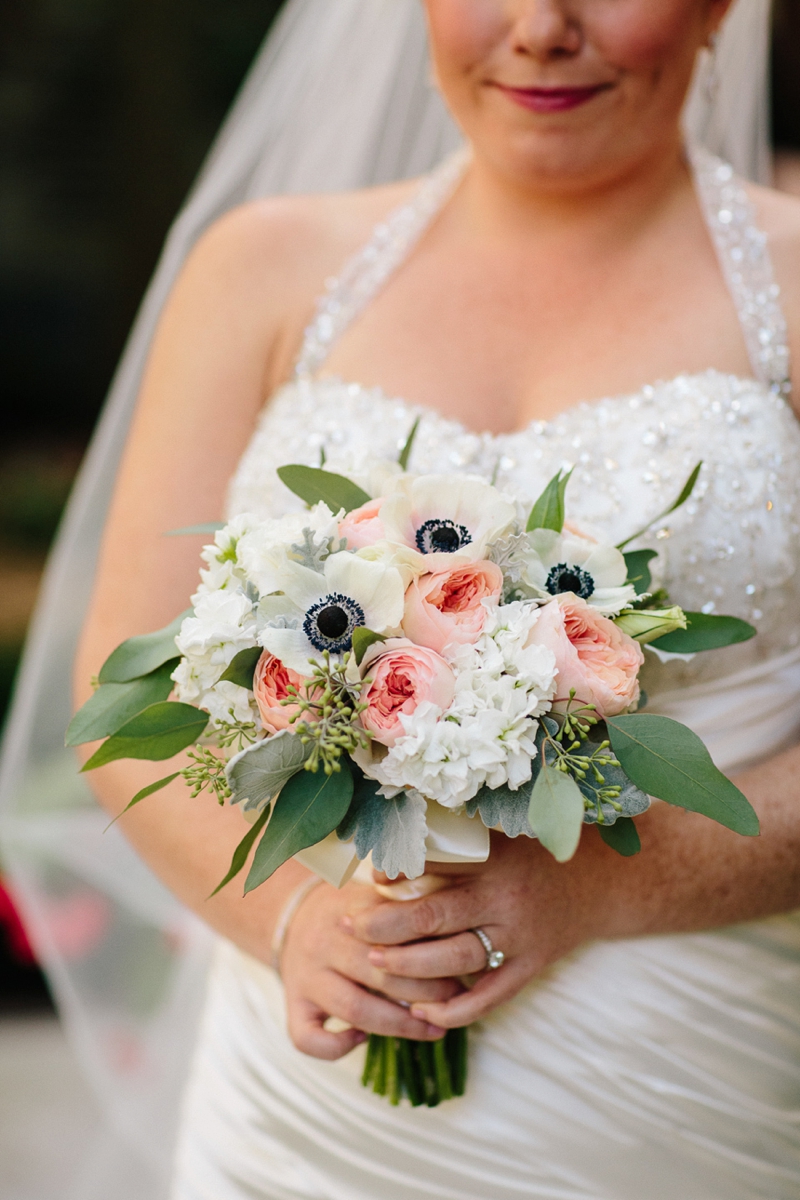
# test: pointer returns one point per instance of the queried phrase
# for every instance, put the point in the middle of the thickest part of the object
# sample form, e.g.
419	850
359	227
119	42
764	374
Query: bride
642	1038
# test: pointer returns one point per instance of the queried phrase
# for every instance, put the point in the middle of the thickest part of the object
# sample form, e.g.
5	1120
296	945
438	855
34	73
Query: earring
711	77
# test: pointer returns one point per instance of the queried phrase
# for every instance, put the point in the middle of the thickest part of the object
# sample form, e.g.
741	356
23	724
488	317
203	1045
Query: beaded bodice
735	547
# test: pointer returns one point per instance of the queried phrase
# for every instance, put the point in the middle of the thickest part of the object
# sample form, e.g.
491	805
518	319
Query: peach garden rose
271	682
448	608
400	677
593	655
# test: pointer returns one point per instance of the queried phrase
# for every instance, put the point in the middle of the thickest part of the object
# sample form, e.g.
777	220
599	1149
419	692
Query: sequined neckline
536	424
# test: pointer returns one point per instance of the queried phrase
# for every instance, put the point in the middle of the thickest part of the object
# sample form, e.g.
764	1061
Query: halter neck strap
741	247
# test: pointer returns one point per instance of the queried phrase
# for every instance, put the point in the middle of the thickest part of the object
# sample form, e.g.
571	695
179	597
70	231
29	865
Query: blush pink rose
446	608
363	527
401	676
593	656
271	682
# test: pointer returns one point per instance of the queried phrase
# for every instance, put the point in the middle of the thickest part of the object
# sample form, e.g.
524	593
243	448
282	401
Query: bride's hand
532	908
327	973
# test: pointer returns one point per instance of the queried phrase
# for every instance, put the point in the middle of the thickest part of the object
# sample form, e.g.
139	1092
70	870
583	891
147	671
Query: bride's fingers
451	910
404	986
493	988
438	959
373	1014
306	1024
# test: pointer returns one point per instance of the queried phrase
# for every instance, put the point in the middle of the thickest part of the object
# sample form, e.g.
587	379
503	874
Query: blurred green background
107	108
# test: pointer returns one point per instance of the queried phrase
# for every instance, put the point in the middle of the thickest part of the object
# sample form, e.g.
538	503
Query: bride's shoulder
297	241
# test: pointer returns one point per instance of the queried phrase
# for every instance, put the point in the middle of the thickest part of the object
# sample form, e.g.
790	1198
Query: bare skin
573	262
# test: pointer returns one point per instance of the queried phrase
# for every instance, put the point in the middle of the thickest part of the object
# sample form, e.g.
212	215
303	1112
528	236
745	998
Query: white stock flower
348	592
569	562
223	624
486	737
446	518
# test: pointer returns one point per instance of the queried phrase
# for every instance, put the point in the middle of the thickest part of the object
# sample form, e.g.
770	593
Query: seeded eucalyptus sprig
574	727
208	772
330	703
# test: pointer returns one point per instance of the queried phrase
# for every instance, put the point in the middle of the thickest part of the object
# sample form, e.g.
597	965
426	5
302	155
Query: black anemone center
442	536
566	577
329	623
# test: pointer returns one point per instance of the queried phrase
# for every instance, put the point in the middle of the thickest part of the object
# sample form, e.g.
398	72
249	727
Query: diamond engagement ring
494	958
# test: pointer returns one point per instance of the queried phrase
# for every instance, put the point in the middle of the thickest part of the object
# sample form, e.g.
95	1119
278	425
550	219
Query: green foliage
504	808
159	732
556	812
141	655
637	562
393	830
363	638
307	810
405	453
258	773
667	760
312	484
622	836
705	631
684	495
548	511
143	794
328	709
241	667
242	851
113	704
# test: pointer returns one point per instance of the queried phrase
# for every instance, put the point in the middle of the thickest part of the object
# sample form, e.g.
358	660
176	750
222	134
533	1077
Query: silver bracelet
285	919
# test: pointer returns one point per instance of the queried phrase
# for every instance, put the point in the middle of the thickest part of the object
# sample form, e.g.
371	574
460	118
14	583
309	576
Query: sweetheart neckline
537	424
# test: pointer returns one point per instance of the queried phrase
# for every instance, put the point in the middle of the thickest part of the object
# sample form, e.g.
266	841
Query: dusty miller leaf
394	830
259	772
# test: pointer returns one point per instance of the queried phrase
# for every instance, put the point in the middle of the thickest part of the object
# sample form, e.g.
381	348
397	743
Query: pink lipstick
551	100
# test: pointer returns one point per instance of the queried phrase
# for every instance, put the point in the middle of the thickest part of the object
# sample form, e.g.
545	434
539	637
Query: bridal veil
339	97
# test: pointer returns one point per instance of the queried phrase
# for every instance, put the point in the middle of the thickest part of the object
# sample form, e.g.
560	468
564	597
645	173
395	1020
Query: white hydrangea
264	551
487	736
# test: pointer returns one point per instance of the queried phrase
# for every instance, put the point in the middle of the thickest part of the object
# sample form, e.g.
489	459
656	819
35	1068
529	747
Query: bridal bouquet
414	660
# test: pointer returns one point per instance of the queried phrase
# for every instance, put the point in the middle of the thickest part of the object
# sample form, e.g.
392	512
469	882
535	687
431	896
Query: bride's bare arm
224	340
691	874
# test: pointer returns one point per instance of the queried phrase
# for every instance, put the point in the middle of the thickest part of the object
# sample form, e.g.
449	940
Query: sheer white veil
339	97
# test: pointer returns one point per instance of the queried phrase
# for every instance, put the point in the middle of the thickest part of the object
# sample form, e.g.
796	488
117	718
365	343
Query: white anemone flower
569	562
445	519
348	592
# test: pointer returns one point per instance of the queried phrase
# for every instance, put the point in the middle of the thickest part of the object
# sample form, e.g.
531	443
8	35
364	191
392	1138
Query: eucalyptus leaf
312	484
637	562
667	760
500	807
141	655
363	638
241	667
556	812
310	807
259	772
143	794
210	527
684	495
113	704
623	837
242	851
394	830
548	511
705	631
158	732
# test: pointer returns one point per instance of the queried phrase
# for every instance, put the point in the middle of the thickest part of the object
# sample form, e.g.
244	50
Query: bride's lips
551	99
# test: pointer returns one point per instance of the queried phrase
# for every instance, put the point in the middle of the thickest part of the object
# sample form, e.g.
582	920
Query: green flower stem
422	1072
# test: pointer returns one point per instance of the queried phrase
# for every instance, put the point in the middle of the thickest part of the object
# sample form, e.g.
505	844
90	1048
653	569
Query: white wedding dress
662	1068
